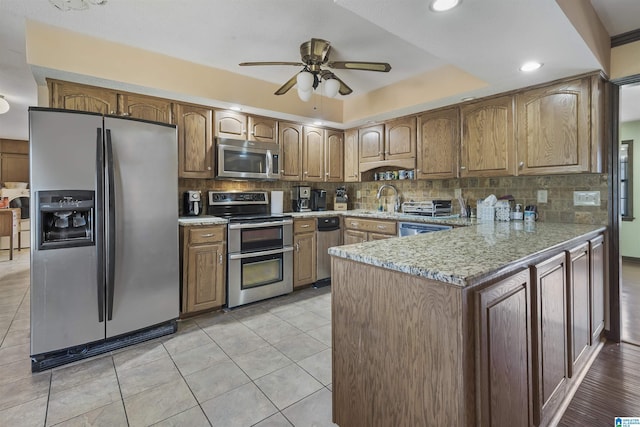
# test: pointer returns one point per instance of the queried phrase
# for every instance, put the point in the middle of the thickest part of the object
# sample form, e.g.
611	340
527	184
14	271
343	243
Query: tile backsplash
524	189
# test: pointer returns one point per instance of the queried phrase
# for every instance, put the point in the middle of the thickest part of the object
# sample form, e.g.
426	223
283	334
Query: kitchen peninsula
490	324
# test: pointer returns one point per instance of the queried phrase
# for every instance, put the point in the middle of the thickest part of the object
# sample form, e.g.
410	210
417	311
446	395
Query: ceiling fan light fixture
331	88
443	5
305	81
304	95
530	66
4	105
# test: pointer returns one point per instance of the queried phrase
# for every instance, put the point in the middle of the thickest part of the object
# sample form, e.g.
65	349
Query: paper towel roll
276	202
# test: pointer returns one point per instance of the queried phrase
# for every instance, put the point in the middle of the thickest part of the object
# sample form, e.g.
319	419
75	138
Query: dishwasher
328	235
412	228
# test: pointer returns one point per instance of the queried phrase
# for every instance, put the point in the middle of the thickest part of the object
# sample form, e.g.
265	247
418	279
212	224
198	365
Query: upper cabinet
488	138
312	154
351	167
195	141
371	143
290	137
73	96
333	156
234	125
389	144
553	128
438	144
400	139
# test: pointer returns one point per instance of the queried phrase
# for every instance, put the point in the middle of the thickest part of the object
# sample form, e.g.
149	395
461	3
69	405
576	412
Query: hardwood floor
610	389
630	302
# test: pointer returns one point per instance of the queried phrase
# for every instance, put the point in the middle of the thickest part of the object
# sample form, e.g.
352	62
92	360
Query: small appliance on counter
300	198
192	203
530	213
340	199
318	200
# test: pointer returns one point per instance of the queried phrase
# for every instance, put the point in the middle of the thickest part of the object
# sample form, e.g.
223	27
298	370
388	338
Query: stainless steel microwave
247	159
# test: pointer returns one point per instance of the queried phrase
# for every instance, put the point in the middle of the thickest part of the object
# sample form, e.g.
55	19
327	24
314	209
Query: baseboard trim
631	259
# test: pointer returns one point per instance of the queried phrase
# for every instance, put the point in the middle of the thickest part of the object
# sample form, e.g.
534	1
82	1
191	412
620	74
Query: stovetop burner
242	206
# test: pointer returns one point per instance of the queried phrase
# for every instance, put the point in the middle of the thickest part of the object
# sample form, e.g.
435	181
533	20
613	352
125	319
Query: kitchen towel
276	202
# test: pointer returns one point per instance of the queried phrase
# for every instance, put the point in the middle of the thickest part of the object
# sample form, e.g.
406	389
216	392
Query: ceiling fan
315	55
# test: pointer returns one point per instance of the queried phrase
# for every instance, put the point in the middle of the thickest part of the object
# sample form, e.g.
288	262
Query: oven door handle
260	224
261	253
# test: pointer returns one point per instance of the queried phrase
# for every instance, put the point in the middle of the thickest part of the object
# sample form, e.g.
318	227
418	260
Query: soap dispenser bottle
517	215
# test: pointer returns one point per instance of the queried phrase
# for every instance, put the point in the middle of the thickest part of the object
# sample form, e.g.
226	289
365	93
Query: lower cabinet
597	253
203	265
503	345
579	337
304	252
358	230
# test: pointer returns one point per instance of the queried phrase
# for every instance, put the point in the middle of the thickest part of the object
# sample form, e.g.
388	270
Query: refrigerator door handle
99	203
111	215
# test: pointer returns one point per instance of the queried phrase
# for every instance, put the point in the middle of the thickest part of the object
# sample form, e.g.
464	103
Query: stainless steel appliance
260	246
412	228
328	236
301	198
192	203
104	237
247	159
318	200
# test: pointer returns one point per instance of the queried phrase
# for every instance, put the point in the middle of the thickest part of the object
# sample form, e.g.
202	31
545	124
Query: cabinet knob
306	173
521	165
220	259
281	170
326	174
207	235
463	167
126	114
112	112
304	226
208	168
297	247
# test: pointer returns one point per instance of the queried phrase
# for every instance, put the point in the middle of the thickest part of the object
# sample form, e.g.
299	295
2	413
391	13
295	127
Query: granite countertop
187	221
463	256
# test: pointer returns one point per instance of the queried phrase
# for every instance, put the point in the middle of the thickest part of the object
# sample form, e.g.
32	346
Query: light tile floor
267	364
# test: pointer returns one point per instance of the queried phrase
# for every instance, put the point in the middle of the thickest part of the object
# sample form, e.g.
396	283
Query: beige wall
625	60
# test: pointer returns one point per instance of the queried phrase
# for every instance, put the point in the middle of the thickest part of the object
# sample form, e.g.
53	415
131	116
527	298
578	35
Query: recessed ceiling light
317	123
468	98
236	108
530	66
443	5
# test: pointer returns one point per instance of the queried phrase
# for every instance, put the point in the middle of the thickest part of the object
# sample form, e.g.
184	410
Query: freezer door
142	224
66	285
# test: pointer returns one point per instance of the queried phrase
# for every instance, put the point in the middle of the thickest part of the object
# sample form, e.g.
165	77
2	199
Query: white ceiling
486	38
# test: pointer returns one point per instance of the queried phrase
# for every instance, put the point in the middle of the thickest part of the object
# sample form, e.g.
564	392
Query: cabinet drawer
304	225
372	225
206	234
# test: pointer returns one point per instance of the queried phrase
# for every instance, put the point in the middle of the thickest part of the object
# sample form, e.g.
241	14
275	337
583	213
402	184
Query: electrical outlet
586	198
457	192
358	194
542	196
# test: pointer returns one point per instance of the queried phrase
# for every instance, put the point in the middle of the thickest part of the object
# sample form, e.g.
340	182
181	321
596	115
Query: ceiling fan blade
288	85
250	64
355	65
344	89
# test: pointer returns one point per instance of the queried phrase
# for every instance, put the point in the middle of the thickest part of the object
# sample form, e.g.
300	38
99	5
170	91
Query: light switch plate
358	194
542	196
457	192
586	198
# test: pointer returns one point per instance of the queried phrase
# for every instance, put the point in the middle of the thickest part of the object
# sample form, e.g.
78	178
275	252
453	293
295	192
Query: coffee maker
300	196
318	200
192	203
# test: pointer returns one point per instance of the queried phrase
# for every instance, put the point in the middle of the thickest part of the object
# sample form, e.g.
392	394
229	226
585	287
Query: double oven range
260	246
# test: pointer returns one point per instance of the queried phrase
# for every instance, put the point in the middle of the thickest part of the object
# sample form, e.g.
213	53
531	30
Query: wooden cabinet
504	352
235	125
597	254
14	160
371	143
290	137
488	138
390	144
553	128
549	337
438	144
74	96
400	139
579	308
351	160
333	156
312	154
195	141
358	230
304	253
203	265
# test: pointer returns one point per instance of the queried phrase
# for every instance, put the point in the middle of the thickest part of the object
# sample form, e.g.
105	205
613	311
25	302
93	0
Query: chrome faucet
396	206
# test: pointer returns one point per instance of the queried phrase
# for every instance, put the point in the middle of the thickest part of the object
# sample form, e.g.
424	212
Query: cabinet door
400	138
14	167
351	161
205	277
290	137
195	142
598	269
579	333
354	236
549	337
553	129
333	158
371	143
488	141
504	349
262	129
304	259
146	107
73	96
438	144
313	154
230	124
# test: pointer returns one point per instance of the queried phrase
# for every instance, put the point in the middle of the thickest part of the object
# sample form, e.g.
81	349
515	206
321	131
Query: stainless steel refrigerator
104	236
